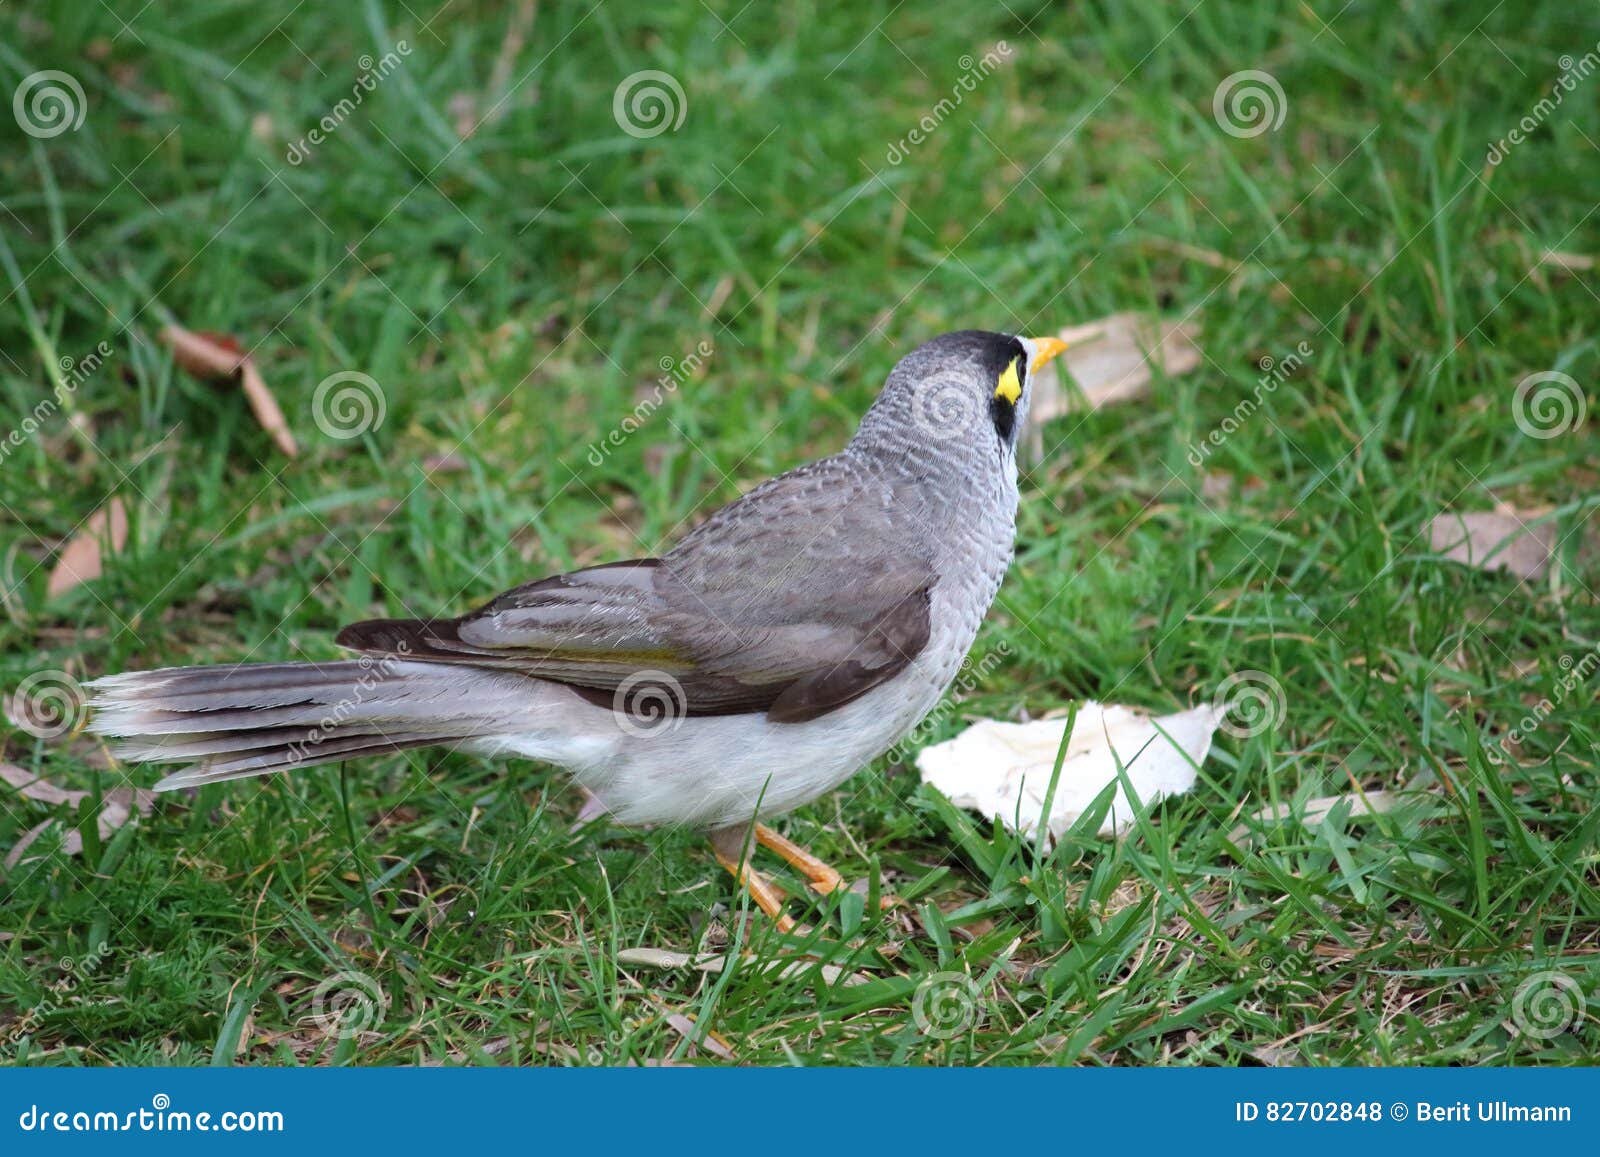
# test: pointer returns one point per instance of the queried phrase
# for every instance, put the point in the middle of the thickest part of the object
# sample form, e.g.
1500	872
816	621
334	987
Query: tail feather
265	761
234	722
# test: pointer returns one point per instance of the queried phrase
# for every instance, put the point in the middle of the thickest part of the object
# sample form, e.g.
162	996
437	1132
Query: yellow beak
1048	348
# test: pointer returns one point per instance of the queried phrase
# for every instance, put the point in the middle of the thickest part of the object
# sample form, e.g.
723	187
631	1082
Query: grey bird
798	633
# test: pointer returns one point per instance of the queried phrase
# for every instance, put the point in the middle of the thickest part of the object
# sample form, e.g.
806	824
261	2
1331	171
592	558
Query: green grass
513	295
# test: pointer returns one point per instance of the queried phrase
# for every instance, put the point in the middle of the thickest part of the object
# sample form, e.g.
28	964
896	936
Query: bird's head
972	387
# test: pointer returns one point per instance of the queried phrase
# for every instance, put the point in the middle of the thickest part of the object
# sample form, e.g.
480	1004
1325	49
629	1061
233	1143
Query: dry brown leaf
210	356
104	532
451	463
1571	262
120	805
505	62
265	407
216	357
1111	360
1494	540
463	110
712	1042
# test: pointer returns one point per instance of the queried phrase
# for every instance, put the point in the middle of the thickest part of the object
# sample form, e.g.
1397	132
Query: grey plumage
795	633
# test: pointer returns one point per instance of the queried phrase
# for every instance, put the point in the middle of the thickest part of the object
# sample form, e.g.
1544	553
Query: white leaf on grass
1314	811
1494	540
1003	769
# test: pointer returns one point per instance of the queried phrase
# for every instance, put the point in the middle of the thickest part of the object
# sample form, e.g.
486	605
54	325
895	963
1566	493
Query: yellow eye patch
1009	386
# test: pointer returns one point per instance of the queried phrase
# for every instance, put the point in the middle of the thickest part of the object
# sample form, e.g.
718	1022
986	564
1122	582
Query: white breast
715	771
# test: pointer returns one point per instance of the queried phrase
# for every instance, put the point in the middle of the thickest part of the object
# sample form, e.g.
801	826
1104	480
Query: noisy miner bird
792	637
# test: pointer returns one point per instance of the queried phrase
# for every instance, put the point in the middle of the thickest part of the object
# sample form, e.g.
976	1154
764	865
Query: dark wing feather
795	600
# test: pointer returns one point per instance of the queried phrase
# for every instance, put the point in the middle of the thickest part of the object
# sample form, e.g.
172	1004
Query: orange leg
824	879
729	844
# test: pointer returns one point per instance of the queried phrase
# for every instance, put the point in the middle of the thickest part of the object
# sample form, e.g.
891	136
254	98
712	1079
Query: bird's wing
794	600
